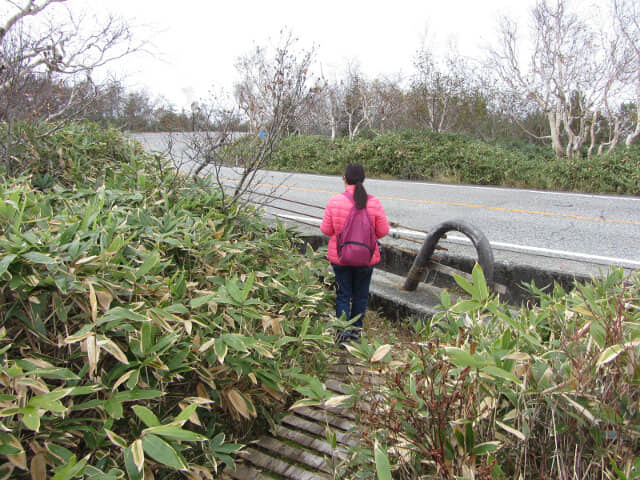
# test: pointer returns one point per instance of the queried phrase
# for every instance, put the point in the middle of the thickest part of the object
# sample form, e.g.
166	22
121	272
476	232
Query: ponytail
354	175
360	196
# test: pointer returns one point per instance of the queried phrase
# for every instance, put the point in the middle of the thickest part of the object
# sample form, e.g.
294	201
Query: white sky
198	41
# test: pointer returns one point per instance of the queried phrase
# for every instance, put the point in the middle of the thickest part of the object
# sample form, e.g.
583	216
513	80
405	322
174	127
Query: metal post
480	242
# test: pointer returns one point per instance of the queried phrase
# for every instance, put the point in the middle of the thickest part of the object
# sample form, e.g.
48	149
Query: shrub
546	392
142	329
417	155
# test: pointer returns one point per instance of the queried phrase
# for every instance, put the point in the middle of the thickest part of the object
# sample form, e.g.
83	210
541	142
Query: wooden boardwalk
298	448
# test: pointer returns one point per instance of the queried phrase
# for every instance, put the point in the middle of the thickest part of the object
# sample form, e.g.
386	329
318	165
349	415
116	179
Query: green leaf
51	405
30	418
114	408
383	468
486	448
462	358
480	283
137	394
162	452
72	469
130	465
6	261
175	433
235	341
40	258
234	291
221	349
610	354
61	453
56	373
151	261
115	438
500	373
466	306
466	285
199	301
185	414
146	415
40	400
121	313
248	286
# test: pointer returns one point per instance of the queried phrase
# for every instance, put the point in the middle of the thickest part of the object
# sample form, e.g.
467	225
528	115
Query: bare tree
627	17
437	90
355	100
47	62
273	89
388	105
575	74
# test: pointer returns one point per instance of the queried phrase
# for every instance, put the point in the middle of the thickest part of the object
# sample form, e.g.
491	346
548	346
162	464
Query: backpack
357	239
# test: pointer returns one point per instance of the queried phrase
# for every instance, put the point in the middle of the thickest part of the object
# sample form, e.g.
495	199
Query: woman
353	282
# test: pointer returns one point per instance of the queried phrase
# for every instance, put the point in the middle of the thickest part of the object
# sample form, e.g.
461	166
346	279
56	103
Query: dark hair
354	175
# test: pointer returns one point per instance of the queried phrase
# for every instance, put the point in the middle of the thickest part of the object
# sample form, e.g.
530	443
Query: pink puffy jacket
336	213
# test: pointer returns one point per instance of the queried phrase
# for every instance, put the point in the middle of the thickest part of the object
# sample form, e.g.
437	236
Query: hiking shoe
343	338
355	334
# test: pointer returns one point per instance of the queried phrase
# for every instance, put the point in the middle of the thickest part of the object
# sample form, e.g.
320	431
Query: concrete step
386	293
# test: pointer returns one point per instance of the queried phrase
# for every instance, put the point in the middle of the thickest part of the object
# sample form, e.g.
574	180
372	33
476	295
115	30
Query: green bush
455	158
486	392
142	329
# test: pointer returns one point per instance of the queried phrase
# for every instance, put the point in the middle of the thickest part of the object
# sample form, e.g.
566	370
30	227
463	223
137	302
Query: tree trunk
554	127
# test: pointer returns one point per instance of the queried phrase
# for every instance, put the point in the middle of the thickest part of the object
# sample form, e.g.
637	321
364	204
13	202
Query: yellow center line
457	204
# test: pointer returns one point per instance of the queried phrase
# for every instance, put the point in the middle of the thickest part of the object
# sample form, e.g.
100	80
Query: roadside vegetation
481	391
460	159
143	330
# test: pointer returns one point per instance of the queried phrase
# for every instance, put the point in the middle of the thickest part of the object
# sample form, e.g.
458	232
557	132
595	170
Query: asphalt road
581	232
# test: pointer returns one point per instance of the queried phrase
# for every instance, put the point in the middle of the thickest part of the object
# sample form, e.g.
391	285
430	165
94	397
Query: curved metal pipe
480	242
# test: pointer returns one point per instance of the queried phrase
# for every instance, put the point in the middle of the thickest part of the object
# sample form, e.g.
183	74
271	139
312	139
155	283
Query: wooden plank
309	441
297	454
325	417
343	412
244	472
275	465
345	369
316	429
336	386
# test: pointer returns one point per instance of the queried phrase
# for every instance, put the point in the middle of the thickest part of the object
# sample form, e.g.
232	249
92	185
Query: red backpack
357	239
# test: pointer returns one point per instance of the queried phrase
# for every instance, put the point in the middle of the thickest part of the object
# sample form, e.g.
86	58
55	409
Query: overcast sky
197	41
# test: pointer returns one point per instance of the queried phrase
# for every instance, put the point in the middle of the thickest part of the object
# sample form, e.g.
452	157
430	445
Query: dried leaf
93	354
207	345
104	299
19	459
188	326
587	414
517	356
241	404
138	454
512	431
33	384
122	379
202	391
380	353
337	400
111	347
93	301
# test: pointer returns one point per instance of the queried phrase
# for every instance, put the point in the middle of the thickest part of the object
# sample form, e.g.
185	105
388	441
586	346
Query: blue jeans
352	294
